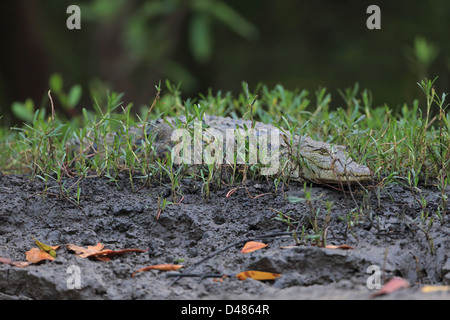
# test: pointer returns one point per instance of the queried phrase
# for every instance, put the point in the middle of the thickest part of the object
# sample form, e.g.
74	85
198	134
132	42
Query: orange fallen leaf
253	246
105	254
160	267
220	279
84	252
257	275
5	260
392	285
98	252
20	264
430	288
35	255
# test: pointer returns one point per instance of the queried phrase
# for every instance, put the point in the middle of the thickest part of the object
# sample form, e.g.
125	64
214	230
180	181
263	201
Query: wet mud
387	231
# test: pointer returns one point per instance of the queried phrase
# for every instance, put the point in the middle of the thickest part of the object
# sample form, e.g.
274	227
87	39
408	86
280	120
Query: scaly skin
308	159
312	160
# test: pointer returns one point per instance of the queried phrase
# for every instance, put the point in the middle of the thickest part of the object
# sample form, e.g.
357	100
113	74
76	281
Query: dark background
130	45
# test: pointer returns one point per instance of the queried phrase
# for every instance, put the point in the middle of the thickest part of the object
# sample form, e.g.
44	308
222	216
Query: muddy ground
388	234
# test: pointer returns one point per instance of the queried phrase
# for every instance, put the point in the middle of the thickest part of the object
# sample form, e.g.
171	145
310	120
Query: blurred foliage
131	45
70	100
139	34
422	55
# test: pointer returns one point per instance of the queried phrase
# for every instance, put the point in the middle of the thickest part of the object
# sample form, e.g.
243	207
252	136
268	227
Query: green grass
410	146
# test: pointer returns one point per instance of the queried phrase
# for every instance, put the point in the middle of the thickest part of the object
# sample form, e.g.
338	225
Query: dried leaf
98	252
105	254
84	252
257	275
160	267
429	289
49	249
253	246
5	260
35	255
21	264
289	246
392	285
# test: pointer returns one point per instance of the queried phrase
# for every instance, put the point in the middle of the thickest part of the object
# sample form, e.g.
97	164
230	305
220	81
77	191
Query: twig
229	193
199	275
53	128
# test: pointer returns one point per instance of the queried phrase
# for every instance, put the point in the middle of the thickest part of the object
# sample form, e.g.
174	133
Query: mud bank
388	233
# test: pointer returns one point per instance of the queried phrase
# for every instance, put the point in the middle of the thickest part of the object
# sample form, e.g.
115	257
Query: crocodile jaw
350	173
321	162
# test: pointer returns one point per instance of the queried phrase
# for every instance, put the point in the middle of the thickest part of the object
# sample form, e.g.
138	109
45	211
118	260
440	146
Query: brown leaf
84	252
253	246
392	285
98	252
430	288
21	264
5	260
105	254
257	275
160	267
35	255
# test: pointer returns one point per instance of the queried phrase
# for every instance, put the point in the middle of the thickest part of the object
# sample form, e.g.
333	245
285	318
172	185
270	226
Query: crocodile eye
323	151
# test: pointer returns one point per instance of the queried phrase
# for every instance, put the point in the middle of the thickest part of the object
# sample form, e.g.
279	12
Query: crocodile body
308	159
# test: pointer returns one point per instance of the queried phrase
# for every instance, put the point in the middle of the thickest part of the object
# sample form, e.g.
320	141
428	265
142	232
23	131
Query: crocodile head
323	163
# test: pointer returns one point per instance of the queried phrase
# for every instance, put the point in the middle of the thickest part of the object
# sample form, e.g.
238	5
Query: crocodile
310	160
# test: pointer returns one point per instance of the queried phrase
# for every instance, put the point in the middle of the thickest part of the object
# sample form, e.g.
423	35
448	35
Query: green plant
67	100
207	178
174	175
291	225
352	219
319	223
24	111
409	147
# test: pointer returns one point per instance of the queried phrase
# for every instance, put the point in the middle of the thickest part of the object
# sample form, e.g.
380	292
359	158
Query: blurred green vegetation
130	46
